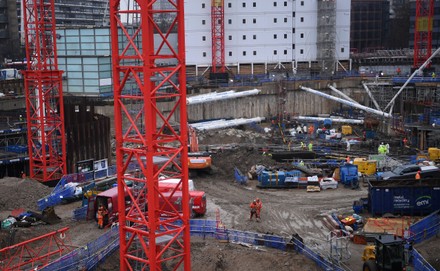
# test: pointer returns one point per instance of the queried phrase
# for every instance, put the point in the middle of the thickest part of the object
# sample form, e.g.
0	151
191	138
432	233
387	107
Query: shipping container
279	179
410	197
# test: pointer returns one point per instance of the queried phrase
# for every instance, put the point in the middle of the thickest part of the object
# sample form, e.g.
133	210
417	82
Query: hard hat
255	201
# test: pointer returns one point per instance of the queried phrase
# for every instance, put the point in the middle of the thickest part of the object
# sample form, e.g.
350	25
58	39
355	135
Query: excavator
198	161
387	254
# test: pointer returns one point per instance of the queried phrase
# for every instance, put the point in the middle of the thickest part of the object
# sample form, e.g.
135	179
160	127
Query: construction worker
102	212
405	141
348	145
347	159
418	175
259	207
253	207
301	163
310	146
398	71
23	175
303	146
387	148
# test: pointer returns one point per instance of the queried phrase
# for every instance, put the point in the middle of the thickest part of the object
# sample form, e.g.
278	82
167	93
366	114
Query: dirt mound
21	193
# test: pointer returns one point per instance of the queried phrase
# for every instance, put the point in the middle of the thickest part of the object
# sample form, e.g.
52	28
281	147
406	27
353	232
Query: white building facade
270	31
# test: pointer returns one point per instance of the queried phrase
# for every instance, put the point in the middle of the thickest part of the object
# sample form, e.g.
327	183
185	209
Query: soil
284	213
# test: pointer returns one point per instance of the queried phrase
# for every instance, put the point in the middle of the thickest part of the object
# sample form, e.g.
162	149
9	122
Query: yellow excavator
387	254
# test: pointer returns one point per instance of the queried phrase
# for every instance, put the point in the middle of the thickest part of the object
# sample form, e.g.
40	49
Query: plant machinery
197	160
387	253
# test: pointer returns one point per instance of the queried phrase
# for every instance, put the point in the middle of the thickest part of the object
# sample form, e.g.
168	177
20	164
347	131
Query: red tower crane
44	94
218	36
153	232
423	32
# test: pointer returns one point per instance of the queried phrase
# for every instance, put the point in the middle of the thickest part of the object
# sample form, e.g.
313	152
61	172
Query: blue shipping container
404	197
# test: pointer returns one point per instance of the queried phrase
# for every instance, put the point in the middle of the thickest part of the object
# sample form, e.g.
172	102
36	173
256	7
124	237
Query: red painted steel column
218	35
154	226
423	32
44	94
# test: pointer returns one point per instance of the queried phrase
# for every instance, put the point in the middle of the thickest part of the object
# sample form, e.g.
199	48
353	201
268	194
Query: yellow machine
387	254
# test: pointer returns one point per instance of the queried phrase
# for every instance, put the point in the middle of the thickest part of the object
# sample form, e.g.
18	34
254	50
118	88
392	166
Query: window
302	19
244	37
293	14
293	46
285	36
254	4
301	51
274	36
293	30
229	5
244	53
254	37
275	20
285	52
255	53
203	22
302	3
244	5
285	3
274	4
203	5
302	35
342	50
204	38
230	53
275	52
230	21
230	37
204	54
254	20
285	20
244	21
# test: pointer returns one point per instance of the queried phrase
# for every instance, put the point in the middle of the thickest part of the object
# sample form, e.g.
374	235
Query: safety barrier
419	263
425	228
88	257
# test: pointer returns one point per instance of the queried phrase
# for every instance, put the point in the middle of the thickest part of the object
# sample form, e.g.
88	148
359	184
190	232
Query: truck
109	199
408	172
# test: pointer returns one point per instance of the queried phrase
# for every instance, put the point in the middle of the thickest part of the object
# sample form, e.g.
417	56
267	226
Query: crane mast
423	32
153	232
218	36
44	94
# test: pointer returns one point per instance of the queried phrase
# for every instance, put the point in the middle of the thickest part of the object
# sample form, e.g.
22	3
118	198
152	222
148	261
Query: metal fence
89	256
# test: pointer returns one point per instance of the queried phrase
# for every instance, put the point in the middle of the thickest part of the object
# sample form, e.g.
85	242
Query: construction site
164	172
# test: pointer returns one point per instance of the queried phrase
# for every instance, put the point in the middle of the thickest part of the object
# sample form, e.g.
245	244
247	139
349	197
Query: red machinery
144	61
44	94
217	35
423	32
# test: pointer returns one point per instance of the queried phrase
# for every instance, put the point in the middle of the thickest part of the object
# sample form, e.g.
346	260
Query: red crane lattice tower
423	32
153	231
218	36
44	94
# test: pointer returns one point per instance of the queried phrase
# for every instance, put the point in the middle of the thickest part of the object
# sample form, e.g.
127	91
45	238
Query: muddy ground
284	212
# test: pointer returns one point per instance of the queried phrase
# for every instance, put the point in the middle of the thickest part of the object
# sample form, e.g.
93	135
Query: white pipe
217	96
368	109
371	96
352	121
409	79
220	124
342	94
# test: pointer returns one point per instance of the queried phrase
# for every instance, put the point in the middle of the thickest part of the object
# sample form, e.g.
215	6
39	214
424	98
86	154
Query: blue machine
349	175
279	179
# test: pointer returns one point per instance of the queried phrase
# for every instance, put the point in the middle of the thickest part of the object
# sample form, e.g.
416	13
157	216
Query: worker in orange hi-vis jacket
259	207
102	212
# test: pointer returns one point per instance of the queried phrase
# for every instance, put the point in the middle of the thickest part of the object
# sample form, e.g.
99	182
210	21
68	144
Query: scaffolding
326	38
